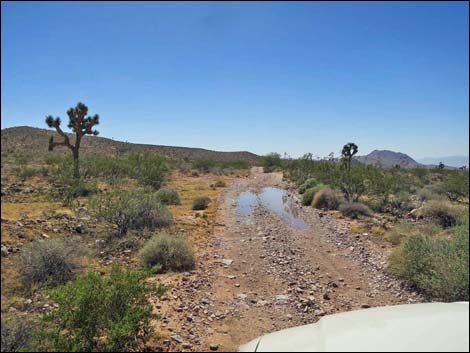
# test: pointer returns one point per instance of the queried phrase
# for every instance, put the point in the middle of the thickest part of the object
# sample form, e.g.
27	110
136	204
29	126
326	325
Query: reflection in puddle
246	202
274	199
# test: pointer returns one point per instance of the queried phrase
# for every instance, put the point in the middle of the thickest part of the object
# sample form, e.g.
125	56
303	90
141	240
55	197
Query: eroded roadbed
260	274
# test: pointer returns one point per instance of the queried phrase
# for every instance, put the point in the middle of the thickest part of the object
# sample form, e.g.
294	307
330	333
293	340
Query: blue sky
286	77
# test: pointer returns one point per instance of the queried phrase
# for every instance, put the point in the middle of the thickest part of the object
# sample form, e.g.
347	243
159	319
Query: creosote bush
428	193
327	199
201	203
441	212
168	196
404	229
16	332
437	265
134	209
309	183
171	252
49	263
149	169
354	209
307	196
99	313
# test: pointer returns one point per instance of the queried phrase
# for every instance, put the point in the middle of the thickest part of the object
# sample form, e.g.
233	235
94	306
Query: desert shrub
78	188
405	229
134	209
327	199
15	333
25	171
148	169
49	262
309	183
271	162
428	193
171	252
441	212
204	165
399	203
354	209
168	196
201	202
68	187
307	196
237	164
220	184
439	266
99	313
455	185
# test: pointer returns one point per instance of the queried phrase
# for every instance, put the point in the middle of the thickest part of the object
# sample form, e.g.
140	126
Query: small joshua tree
349	150
80	124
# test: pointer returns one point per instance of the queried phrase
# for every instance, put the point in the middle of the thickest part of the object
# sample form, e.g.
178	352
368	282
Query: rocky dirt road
258	274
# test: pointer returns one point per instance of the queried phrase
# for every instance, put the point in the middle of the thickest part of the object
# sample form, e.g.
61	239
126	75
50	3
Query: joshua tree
441	165
80	124
349	150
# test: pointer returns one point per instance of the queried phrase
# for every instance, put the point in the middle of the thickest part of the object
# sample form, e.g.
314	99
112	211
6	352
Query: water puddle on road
276	200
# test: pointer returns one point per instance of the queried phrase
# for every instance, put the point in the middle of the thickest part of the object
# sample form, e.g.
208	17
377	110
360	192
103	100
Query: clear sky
286	77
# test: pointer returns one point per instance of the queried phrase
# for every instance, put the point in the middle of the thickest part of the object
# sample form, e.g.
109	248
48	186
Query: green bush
204	165
399	203
201	202
148	169
220	184
134	209
354	209
405	229
271	162
49	262
327	199
172	253
15	332
69	188
455	185
168	196
307	196
99	313
428	193
439	266
309	183
441	212
25	171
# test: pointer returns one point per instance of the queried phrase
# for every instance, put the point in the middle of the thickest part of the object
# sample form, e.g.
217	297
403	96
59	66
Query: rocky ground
257	275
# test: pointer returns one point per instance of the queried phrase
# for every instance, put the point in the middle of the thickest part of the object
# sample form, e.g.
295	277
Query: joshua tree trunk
76	171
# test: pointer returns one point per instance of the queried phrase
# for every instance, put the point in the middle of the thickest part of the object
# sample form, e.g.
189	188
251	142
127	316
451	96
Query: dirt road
260	274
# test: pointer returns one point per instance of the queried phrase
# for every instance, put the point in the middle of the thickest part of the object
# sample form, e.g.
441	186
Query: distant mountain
388	159
451	161
34	142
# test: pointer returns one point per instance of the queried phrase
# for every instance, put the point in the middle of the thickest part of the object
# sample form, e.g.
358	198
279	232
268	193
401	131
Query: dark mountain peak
388	159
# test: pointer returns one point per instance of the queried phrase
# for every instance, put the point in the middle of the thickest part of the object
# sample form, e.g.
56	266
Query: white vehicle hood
415	327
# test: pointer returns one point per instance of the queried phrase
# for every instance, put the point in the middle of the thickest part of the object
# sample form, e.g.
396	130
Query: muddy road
268	267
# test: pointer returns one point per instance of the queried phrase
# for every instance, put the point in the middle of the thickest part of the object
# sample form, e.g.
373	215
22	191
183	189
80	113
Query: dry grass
15	211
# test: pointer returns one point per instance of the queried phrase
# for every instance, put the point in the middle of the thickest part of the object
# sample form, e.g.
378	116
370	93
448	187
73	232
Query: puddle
274	199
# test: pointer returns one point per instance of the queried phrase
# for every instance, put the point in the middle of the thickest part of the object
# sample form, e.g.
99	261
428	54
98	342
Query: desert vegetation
84	233
427	211
68	241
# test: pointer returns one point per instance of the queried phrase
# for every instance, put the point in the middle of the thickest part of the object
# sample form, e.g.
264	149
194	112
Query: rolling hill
34	142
